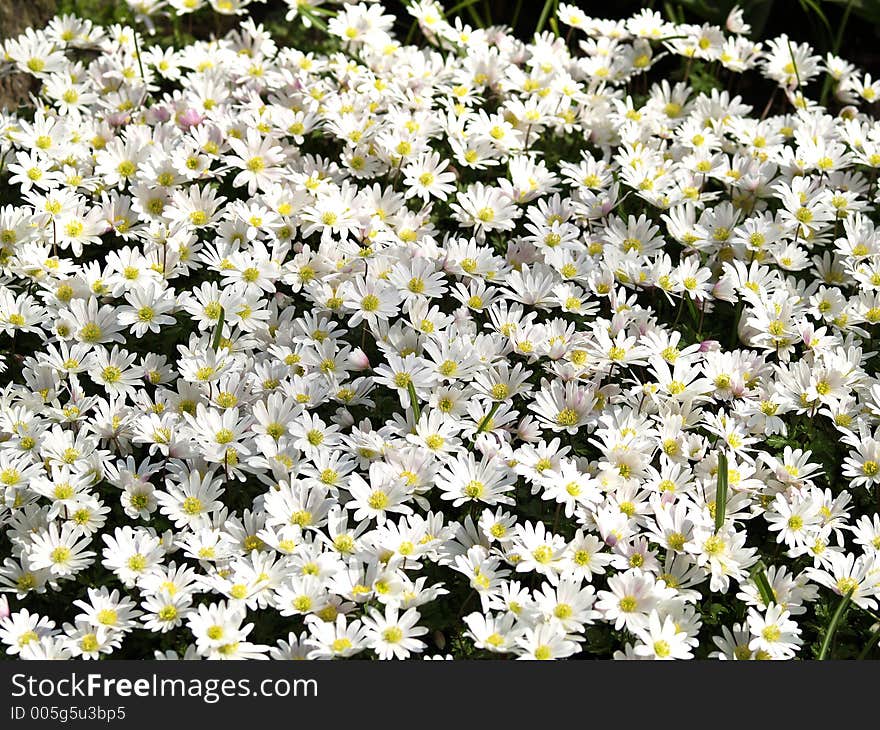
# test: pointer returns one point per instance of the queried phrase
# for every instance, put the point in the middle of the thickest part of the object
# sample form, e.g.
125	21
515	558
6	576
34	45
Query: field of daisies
448	346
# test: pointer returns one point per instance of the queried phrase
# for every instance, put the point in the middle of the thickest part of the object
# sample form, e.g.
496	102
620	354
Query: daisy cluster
401	348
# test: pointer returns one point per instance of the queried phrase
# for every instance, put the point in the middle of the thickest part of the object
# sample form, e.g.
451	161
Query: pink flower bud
117	119
359	359
160	114
710	346
189	118
4	608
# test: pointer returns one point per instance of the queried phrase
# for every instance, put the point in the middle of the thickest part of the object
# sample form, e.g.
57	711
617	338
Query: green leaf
797	74
313	17
461	6
475	16
545	14
721	491
759	575
414	401
777	442
218	333
814	7
826	86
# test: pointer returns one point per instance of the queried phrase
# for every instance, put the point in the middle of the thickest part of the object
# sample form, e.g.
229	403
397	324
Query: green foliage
703	79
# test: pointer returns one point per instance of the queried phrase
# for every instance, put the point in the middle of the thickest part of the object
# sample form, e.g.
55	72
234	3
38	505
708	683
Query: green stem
411	33
137	53
175	25
680	310
488	419
835	620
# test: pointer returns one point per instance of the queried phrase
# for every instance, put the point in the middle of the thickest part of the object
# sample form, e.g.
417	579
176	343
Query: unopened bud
710	346
359	360
189	118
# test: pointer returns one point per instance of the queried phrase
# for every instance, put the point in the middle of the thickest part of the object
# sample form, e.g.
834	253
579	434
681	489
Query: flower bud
189	118
359	360
343	418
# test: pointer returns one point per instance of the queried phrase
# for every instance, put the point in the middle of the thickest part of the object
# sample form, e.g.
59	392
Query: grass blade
475	16
413	400
137	53
545	14
461	6
218	333
313	18
835	620
721	491
516	11
813	6
487	13
797	74
759	575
